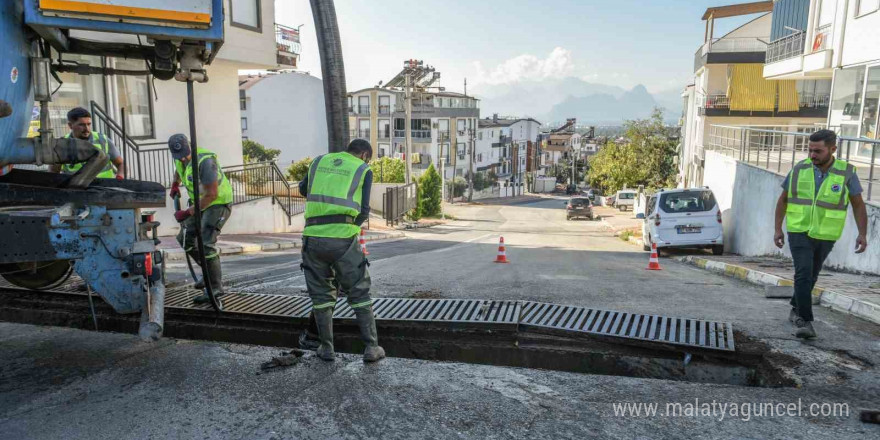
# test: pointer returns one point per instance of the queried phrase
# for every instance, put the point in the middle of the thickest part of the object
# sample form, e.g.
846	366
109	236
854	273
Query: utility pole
408	92
471	170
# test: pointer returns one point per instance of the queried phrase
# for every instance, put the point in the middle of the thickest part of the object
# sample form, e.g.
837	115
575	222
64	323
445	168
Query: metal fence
255	181
780	150
786	47
397	201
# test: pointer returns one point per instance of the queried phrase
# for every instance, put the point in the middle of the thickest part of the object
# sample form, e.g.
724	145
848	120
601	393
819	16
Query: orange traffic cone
654	262
502	253
363	244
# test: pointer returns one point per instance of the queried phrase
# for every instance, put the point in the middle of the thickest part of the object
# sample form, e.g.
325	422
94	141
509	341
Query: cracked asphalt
72	384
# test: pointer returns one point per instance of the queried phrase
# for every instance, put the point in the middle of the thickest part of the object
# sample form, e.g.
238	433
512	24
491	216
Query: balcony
416	134
786	47
810	106
361	134
356	110
730	50
384	134
385	110
287	45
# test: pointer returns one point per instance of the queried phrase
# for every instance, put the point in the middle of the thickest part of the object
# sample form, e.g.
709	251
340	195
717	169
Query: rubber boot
216	282
324	319
805	330
308	340
367	325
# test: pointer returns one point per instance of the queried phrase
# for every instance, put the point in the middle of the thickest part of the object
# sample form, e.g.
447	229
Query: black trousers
808	254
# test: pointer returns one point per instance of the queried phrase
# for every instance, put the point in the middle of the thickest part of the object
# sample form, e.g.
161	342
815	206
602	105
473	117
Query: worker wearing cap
79	120
215	202
813	203
337	191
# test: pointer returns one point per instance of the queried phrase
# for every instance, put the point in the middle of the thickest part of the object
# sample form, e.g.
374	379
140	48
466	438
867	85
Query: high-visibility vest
335	184
224	188
99	142
822	214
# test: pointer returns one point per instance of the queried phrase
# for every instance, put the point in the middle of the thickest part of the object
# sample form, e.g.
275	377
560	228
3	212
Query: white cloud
527	67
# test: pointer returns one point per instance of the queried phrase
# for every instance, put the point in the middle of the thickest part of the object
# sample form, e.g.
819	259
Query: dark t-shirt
208	172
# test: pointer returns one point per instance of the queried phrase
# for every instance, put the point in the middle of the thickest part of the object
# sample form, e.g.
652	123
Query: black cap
179	146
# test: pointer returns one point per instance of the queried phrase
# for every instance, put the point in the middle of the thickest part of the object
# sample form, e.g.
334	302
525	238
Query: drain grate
678	331
487	313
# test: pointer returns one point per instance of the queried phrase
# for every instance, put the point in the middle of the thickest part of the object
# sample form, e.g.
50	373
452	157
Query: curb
177	254
828	298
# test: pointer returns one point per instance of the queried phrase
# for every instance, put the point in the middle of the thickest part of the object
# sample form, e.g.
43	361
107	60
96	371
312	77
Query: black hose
197	210
333	73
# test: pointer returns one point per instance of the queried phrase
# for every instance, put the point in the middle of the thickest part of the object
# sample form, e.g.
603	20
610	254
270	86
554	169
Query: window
384	129
383	150
135	98
363	129
242	100
826	12
461	125
363	105
443	126
847	95
867	6
687	201
243	124
245	14
75	91
384	105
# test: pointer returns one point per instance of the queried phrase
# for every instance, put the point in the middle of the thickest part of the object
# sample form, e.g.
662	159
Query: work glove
175	190
182	215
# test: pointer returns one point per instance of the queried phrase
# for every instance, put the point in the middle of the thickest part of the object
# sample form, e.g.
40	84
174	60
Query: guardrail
780	150
397	201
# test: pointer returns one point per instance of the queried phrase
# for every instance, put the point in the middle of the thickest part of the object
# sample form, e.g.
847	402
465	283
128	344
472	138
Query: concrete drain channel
504	333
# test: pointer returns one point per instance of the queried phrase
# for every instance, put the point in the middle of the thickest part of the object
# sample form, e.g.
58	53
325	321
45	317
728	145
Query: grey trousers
213	219
327	259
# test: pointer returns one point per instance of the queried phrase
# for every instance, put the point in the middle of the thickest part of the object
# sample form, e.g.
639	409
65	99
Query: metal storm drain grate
679	331
486	313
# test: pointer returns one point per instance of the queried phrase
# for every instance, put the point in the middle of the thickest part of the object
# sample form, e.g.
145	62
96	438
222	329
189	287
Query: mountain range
554	101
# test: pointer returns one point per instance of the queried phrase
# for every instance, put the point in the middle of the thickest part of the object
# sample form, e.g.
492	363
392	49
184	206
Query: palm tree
333	72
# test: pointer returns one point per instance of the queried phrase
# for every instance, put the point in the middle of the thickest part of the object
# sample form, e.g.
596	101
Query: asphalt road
62	383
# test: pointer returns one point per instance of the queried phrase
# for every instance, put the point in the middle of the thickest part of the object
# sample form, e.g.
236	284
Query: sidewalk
857	295
231	244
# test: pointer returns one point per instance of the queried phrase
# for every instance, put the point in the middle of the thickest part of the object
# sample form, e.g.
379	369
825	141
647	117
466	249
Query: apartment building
729	87
442	126
832	40
508	146
269	115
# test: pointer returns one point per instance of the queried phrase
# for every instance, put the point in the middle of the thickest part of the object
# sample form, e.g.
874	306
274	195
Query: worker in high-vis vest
814	203
79	120
337	191
215	203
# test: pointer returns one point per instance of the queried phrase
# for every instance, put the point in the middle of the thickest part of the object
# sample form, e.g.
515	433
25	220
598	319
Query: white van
625	198
683	218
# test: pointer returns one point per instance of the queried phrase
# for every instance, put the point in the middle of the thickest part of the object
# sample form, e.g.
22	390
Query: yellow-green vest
822	214
335	184
224	188
99	142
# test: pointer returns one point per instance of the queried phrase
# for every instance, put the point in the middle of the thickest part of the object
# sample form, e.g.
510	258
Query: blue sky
616	42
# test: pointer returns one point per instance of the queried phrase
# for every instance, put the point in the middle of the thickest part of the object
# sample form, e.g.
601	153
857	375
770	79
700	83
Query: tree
458	185
647	157
388	170
298	170
256	152
430	192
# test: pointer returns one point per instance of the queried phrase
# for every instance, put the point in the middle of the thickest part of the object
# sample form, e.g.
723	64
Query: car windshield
687	201
579	202
626	196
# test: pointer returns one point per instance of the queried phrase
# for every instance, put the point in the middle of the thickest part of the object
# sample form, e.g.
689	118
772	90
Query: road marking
564	277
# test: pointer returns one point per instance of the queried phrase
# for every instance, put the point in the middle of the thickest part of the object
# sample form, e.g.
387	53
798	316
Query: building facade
443	126
269	115
507	146
729	89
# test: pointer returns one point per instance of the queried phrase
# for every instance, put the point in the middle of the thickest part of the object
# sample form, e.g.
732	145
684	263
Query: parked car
625	198
579	207
610	201
683	218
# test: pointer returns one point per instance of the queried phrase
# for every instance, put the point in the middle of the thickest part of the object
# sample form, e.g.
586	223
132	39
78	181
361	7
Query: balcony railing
384	109
805	101
357	110
384	134
786	47
778	149
287	45
416	134
362	134
728	45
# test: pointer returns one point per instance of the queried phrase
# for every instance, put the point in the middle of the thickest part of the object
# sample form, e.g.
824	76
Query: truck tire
718	250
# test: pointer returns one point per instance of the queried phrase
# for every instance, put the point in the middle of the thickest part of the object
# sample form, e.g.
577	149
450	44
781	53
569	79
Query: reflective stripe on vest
334	188
224	188
821	214
99	141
